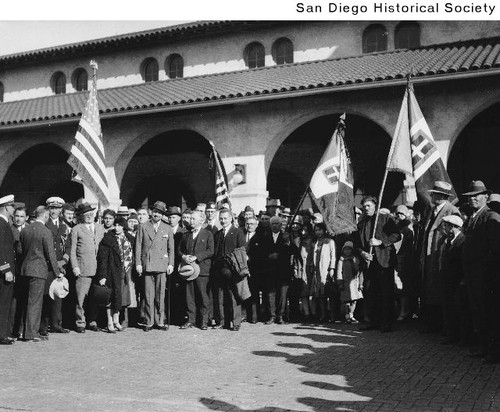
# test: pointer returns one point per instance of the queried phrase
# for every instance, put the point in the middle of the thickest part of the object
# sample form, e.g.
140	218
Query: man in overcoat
85	239
38	259
481	261
155	259
433	234
376	247
7	267
197	247
226	240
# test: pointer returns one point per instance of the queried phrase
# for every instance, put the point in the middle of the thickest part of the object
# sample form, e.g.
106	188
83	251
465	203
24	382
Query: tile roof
479	56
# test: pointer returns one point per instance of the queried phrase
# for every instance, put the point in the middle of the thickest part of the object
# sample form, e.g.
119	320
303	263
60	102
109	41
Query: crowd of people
67	267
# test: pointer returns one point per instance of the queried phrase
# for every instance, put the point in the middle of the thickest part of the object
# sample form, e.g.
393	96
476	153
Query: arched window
407	35
80	80
150	70
174	66
374	38
1	92
255	55
283	51
58	83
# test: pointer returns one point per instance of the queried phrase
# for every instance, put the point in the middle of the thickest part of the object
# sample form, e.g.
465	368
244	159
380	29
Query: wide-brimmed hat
476	187
274	202
123	211
7	200
454	220
174	210
189	271
55	201
59	287
286	212
160	206
442	187
84	208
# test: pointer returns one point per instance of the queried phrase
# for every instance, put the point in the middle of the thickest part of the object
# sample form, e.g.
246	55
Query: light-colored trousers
82	291
154	298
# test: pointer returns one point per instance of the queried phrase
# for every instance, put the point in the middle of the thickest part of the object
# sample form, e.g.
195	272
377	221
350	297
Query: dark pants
51	309
274	297
35	289
177	296
478	295
197	298
16	320
227	307
253	305
6	292
380	294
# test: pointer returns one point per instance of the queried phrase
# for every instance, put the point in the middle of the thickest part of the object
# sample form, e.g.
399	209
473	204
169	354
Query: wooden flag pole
297	209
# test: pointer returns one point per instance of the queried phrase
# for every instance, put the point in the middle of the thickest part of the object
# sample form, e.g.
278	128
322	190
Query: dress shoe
253	322
187	325
147	328
270	321
203	327
118	327
235	328
279	321
80	329
93	327
35	339
6	341
161	327
44	333
59	329
218	326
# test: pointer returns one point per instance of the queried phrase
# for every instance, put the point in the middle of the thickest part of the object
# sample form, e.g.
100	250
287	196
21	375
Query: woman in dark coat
114	265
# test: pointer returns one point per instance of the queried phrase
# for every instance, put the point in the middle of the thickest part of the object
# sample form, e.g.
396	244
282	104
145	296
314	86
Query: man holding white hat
7	267
52	308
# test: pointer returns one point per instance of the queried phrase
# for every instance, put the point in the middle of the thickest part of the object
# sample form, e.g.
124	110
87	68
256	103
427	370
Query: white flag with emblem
414	152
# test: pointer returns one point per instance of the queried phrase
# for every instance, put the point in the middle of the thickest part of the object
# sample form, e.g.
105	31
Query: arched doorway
297	158
475	152
41	172
172	167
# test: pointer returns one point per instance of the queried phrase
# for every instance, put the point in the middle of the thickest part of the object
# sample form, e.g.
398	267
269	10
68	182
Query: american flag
87	153
221	191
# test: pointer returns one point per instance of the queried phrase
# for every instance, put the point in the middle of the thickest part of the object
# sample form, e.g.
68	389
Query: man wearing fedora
176	288
481	260
52	308
85	239
197	248
273	207
38	259
433	234
7	267
155	258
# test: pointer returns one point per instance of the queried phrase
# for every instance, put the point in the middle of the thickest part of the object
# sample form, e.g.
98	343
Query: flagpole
386	173
297	209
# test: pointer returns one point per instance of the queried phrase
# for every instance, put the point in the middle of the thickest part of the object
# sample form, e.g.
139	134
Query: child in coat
350	280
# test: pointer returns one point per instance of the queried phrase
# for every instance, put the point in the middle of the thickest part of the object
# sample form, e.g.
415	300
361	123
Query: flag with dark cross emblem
414	151
332	185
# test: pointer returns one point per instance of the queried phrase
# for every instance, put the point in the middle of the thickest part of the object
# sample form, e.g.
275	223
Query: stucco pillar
253	190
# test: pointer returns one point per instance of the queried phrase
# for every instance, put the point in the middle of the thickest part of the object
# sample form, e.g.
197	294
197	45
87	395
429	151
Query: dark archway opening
41	172
475	153
297	158
172	167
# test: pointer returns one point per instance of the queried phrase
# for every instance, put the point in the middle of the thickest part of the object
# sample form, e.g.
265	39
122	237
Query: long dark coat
110	267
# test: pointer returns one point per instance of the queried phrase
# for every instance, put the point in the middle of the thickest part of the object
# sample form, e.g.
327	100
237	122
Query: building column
253	190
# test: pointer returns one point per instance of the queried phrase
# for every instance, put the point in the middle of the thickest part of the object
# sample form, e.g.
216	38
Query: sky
20	36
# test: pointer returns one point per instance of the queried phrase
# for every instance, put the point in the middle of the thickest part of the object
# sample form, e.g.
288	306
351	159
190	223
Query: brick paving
261	368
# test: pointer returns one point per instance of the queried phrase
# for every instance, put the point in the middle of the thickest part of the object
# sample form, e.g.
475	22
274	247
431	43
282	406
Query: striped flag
87	153
332	185
414	152
221	190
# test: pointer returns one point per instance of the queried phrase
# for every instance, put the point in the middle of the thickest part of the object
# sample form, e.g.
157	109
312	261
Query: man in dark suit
481	260
155	258
38	258
277	272
256	264
376	246
226	240
7	267
433	234
197	247
177	292
52	309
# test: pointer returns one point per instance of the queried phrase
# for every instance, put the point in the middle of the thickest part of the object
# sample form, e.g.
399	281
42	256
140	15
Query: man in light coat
155	257
85	239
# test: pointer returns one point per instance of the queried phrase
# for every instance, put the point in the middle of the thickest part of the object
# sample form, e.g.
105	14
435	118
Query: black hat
160	206
84	208
174	210
477	187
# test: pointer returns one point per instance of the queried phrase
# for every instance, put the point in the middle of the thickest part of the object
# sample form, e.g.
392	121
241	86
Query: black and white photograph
292	210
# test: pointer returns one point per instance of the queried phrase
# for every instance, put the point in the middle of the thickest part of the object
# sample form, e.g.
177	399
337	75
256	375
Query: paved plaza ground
260	368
